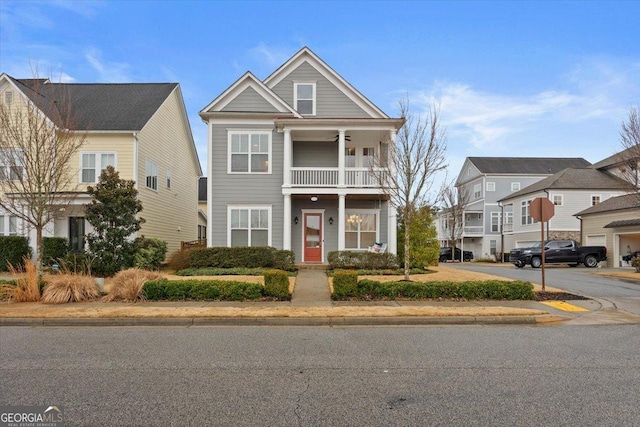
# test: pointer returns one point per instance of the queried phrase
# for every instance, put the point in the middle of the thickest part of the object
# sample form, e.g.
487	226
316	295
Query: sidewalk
310	305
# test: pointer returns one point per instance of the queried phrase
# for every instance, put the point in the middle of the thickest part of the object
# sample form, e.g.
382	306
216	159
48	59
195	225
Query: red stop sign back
541	209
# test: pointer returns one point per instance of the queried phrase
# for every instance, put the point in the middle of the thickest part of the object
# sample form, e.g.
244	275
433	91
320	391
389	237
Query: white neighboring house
487	180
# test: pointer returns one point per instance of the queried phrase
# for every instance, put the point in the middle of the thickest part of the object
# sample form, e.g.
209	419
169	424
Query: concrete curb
284	321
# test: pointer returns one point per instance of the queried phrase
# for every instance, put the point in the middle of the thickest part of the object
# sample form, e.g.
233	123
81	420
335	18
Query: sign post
541	209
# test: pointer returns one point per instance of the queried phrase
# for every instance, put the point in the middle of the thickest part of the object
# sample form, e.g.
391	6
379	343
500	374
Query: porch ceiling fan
347	138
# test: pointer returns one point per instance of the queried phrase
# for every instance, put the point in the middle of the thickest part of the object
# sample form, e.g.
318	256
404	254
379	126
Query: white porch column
341	147
392	231
286	179
286	230
341	221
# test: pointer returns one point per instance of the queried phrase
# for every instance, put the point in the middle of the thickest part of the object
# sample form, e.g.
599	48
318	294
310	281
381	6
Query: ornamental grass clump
63	288
127	284
27	285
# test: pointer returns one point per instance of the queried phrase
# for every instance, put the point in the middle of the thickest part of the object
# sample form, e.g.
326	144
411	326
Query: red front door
313	237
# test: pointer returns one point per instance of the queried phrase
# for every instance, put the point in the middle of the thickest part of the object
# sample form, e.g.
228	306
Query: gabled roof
627	201
99	106
306	55
574	179
248	80
623	223
616	158
526	165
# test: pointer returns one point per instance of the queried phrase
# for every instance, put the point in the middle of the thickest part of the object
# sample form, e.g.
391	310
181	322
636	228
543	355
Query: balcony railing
473	230
328	177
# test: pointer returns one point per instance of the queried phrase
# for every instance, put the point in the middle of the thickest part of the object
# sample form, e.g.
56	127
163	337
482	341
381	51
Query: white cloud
270	56
109	72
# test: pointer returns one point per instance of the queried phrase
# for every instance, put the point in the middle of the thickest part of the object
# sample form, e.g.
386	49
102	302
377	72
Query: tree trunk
39	250
407	240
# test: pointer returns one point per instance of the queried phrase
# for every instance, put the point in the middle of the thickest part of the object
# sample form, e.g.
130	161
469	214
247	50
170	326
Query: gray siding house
290	163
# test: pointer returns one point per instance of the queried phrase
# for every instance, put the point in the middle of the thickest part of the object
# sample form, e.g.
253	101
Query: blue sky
512	78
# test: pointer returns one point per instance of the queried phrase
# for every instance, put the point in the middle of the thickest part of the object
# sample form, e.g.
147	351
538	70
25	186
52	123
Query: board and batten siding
170	214
244	189
330	101
249	101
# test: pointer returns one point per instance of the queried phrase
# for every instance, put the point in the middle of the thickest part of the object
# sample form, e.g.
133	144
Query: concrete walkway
312	289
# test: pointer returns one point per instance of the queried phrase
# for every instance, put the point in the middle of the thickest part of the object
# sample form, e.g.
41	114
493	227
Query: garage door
596	240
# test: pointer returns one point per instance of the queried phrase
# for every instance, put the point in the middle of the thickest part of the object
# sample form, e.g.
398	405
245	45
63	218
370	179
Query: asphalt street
312	376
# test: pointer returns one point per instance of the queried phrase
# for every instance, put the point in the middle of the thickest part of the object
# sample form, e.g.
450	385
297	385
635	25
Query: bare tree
454	201
630	155
38	140
416	156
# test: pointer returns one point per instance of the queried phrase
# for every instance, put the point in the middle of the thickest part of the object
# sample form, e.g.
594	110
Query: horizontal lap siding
330	101
170	214
315	154
250	101
121	144
244	189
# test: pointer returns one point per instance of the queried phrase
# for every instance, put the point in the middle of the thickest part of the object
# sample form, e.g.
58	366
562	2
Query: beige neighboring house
143	131
614	223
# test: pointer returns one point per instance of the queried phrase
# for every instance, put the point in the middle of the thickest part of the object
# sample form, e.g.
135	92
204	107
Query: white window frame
249	132
525	213
515	186
491	186
9	222
169	177
249	208
150	167
560	198
498	217
599	196
7	170
477	191
493	247
349	212
8	97
313	97
508	218
97	168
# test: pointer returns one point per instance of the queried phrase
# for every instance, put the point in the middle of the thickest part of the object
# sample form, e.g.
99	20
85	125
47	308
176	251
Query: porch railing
473	230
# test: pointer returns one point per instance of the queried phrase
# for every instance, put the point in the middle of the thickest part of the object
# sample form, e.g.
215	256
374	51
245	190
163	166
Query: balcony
330	177
473	230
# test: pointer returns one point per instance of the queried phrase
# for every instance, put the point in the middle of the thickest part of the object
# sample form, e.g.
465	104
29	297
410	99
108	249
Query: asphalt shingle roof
101	106
616	158
527	165
623	223
628	201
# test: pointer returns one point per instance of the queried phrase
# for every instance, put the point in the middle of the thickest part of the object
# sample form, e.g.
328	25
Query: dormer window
304	95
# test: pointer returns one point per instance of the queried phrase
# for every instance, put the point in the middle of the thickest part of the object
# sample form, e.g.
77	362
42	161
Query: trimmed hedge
345	283
163	289
13	249
276	284
242	256
362	260
54	249
225	272
488	289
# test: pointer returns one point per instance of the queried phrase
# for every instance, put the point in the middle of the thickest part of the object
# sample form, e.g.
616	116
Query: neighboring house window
8	97
249	226
92	165
477	191
595	199
496	225
515	186
249	152
491	186
361	229
368	157
13	225
11	165
525	213
558	200
202	232
492	247
305	99
152	175
169	176
350	157
508	218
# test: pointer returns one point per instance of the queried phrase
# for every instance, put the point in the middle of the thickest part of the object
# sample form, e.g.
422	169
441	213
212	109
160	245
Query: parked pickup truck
559	252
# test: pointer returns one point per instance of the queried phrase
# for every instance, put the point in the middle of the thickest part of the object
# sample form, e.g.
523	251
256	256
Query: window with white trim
93	163
249	226
508	218
595	199
496	225
249	152
361	229
558	200
8	225
493	245
8	97
491	186
169	176
525	213
151	175
515	186
11	164
305	98
477	191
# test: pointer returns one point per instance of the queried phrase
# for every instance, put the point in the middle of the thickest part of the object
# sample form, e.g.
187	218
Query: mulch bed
558	296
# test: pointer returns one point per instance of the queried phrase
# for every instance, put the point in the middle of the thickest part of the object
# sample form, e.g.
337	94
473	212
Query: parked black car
445	255
558	252
629	257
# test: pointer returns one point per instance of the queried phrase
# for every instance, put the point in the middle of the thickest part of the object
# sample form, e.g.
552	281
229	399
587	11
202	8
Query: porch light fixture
330	220
295	220
314	198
